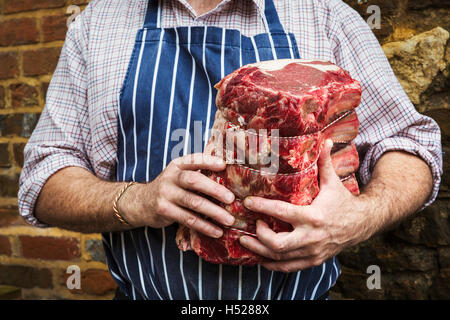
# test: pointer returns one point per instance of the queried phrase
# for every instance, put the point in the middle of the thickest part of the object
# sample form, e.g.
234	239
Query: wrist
130	206
369	215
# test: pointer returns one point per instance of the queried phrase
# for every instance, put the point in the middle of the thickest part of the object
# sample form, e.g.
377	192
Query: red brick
10	65
12	6
49	248
23	95
40	61
18	153
19	124
18	31
11	124
25	277
9	185
2	97
5	246
93	281
9	216
54	28
4	155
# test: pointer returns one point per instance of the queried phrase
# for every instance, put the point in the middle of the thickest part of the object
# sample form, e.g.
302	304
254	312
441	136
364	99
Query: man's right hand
176	196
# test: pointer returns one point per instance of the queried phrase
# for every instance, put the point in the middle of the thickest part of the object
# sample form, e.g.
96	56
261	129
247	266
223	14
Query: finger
198	161
291	265
202	205
282	210
279	242
191	220
327	174
257	247
196	181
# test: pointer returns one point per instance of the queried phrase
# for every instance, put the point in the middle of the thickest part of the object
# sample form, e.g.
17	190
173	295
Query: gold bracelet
116	201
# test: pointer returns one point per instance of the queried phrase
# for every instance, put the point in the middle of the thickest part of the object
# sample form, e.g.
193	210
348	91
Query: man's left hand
335	220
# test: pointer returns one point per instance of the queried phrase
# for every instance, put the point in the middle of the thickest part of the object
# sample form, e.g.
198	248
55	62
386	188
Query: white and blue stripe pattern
169	86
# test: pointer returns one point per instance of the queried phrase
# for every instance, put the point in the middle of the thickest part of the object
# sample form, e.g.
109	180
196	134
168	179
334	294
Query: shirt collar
259	3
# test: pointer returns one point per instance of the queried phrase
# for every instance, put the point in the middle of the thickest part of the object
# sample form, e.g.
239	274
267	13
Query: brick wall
414	259
35	260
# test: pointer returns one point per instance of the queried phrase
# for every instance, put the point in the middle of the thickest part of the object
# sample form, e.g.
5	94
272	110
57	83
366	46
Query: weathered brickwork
35	260
414	259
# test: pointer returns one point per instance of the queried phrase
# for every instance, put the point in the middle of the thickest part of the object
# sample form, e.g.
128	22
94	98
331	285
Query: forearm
337	219
75	199
399	186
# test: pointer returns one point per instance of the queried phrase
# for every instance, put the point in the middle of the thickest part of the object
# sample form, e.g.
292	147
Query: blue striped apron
168	91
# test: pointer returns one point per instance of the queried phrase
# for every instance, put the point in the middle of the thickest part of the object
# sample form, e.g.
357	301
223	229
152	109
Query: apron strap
270	16
153	15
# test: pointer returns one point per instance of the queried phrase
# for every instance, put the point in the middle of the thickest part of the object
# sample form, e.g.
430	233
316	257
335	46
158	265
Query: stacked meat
272	120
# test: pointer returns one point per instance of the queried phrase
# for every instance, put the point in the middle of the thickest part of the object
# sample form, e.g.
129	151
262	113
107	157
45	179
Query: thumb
327	174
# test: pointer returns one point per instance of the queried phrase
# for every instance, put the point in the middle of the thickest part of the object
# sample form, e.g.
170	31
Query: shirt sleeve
388	119
59	139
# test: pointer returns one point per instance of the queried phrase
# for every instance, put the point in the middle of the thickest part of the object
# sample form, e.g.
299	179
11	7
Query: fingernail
218	233
229	197
229	220
243	240
248	202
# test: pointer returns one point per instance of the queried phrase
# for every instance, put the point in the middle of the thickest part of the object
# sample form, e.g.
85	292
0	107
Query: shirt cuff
432	157
33	181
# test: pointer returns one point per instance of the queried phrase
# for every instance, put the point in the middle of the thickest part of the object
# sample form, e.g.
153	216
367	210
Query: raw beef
272	120
296	98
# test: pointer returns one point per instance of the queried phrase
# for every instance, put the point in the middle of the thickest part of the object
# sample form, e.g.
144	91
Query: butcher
135	82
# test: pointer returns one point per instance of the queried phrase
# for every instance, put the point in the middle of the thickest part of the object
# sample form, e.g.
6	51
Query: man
133	71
